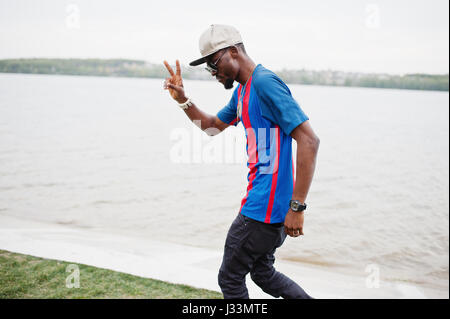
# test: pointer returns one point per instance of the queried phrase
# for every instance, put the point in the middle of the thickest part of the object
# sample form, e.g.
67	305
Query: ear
234	52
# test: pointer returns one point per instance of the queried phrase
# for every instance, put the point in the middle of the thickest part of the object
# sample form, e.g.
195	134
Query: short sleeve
277	104
228	114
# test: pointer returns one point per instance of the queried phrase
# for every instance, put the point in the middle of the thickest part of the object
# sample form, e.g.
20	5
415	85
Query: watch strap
186	104
297	206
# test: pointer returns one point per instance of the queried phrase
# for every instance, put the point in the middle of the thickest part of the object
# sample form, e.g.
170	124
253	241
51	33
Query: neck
246	71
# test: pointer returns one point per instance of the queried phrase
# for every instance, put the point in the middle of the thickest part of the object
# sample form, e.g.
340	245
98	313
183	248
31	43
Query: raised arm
208	123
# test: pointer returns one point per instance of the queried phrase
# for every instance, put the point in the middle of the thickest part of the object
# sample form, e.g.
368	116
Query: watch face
294	205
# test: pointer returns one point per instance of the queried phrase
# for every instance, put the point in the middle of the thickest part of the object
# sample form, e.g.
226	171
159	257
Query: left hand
293	223
175	83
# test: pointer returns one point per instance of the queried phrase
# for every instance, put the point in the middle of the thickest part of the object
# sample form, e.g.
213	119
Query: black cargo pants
250	248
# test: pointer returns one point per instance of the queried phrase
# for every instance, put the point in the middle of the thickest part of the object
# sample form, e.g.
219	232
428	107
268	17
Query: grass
24	276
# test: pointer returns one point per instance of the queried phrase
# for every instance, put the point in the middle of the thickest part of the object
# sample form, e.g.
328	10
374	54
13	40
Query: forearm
202	119
307	150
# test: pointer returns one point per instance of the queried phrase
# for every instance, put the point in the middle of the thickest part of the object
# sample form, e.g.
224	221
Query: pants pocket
236	232
262	239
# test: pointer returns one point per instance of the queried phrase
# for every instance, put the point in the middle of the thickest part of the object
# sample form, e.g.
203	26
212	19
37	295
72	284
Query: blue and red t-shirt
268	113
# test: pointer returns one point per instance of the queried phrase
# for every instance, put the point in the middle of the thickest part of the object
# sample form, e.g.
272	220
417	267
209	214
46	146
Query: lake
118	155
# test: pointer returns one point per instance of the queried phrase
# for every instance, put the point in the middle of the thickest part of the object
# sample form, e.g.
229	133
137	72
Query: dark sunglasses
211	67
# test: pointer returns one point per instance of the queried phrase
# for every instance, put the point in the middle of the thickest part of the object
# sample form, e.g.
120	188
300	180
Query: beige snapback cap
215	38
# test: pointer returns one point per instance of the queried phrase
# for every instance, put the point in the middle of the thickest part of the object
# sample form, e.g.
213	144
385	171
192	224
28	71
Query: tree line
138	68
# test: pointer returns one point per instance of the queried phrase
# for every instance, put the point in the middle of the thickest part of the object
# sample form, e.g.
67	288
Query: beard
229	83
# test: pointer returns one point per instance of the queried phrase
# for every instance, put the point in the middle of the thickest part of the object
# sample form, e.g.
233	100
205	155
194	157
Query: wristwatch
296	206
186	104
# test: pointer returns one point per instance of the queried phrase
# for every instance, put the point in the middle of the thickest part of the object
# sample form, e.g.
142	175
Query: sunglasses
211	67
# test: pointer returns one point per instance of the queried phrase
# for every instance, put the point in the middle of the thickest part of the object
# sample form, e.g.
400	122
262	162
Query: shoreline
179	264
207	79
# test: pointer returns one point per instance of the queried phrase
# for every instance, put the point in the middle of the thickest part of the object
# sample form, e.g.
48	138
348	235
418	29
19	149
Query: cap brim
203	59
198	62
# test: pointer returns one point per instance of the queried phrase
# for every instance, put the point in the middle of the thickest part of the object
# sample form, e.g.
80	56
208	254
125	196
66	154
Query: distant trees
137	68
335	78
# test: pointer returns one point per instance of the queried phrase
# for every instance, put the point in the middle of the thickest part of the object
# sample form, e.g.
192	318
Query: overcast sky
394	36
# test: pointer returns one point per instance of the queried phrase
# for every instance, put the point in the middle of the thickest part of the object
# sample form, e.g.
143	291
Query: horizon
199	67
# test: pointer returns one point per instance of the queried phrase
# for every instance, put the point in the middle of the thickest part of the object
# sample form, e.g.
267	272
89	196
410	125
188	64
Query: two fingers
168	83
169	68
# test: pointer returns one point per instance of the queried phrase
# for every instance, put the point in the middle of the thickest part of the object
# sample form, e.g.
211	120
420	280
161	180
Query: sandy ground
175	263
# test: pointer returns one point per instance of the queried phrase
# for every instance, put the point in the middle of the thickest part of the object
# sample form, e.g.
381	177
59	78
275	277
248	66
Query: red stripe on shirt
252	150
274	178
237	118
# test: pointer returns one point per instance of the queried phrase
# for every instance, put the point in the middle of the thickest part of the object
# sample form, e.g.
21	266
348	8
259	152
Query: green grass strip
24	276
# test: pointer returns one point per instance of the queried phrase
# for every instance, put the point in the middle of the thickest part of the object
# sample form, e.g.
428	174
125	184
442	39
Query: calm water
101	153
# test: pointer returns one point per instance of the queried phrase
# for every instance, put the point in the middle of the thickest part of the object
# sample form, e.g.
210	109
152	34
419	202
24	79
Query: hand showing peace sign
175	83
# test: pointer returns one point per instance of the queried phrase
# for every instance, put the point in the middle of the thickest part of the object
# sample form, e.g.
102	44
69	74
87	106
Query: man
273	207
